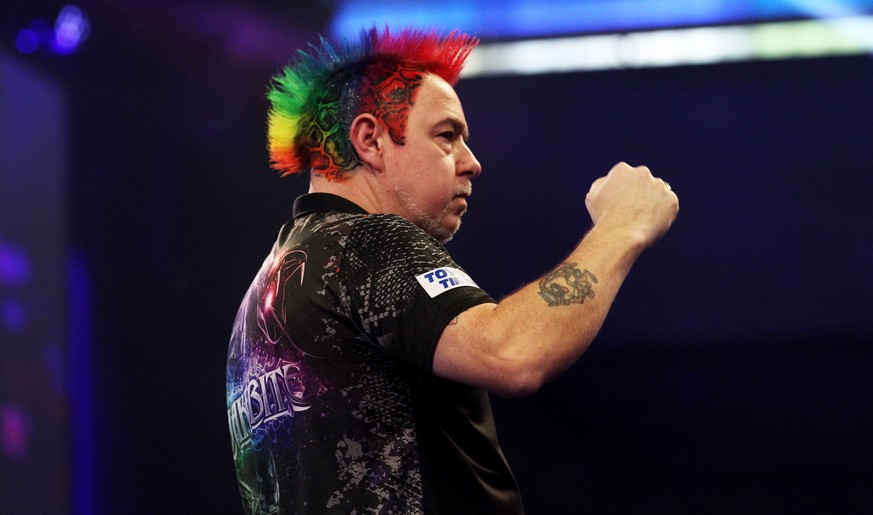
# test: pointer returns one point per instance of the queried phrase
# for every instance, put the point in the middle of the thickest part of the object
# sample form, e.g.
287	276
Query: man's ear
365	135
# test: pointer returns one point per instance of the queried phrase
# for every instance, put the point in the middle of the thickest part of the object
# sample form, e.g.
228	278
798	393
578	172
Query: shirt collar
315	202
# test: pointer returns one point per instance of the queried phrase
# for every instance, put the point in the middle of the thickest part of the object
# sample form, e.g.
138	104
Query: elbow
516	371
515	391
517	382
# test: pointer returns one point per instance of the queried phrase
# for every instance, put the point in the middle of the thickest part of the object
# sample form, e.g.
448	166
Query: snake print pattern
387	91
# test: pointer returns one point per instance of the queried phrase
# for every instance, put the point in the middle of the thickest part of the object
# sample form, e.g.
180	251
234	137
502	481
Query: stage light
14	265
676	47
27	41
71	29
37	34
525	19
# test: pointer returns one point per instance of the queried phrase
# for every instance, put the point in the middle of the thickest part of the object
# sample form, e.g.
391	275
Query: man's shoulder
386	242
388	230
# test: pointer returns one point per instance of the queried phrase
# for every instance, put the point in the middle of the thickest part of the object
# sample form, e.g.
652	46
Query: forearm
555	319
513	347
531	336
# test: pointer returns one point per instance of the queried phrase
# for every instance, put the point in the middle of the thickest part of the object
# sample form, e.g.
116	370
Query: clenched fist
631	200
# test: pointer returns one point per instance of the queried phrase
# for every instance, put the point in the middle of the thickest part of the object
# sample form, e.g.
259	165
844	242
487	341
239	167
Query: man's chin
440	231
449	233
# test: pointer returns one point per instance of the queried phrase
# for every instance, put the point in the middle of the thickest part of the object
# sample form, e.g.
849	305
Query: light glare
694	46
71	29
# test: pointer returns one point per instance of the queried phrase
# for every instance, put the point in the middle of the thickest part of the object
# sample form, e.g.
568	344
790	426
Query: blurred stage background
733	375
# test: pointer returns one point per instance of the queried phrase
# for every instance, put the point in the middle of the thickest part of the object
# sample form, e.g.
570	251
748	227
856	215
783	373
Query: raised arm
514	347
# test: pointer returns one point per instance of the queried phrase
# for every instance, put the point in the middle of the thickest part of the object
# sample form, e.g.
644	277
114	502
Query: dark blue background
733	373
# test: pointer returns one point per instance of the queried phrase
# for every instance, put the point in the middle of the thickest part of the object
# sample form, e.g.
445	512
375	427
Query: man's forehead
438	103
440	90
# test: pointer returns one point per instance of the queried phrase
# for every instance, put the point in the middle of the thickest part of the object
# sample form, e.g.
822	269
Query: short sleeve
402	288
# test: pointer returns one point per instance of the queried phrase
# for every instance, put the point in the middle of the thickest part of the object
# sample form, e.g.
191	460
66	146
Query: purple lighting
13	316
14	431
38	34
71	29
27	41
14	265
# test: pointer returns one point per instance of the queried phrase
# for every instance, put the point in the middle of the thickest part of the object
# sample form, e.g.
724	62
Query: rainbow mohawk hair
314	100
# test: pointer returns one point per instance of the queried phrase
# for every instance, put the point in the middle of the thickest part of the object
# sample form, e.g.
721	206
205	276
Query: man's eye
448	135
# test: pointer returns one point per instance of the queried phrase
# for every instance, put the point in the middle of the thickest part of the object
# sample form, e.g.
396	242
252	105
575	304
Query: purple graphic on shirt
264	354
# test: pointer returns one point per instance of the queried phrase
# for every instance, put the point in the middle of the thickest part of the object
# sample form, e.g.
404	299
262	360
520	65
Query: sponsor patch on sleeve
440	280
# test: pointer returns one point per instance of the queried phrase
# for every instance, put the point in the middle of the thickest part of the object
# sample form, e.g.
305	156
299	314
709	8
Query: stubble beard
433	226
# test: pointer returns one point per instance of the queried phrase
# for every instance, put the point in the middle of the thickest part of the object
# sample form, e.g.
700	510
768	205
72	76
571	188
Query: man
361	355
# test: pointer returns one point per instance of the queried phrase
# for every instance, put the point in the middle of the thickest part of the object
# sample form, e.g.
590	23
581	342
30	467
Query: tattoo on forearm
567	285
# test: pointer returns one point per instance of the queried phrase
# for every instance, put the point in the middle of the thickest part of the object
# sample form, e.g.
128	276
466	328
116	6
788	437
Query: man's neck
357	186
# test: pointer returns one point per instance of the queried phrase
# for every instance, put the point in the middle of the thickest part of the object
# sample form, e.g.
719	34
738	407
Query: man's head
428	178
315	100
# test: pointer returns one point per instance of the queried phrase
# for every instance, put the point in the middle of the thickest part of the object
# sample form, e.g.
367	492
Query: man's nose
468	164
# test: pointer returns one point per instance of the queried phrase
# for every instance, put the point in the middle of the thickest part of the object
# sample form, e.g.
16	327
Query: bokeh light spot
27	41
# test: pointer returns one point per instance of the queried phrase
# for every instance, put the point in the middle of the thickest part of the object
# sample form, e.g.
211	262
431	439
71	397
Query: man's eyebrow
458	126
